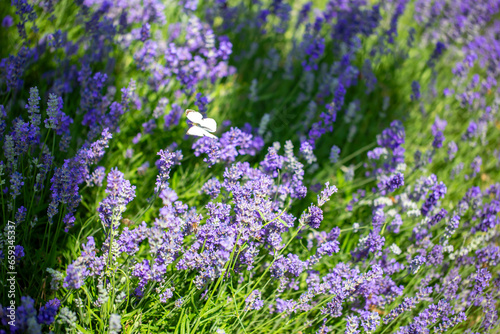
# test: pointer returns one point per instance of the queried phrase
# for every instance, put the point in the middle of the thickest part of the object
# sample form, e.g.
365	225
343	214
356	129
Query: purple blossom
313	49
290	265
212	188
393	30
272	162
285	306
378	218
19	252
369	244
452	150
438	192
438	126
415	88
165	295
391	183
7	21
120	193
53	111
74	277
334	154
15	66
329	243
20	215
313	217
415	264
408	304
392	137
16	182
201	102
304	13
438	51
173	117
369	320
450	322
437	217
209	146
34	108
145	32
48	312
488	217
128	241
74	171
451	227
96	177
306	151
352	325
338	100
149	126
145	56
482	279
164	165
438	140
427	317
476	166
435	256
253	301
326	194
490	313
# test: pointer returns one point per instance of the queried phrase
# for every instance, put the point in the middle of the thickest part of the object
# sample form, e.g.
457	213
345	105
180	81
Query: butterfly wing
199	132
194	116
208	124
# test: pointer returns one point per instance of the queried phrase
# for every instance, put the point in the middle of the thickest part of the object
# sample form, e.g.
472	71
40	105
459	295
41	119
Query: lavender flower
167	294
427	317
212	188
34	108
352	325
415	87
415	264
67	317
439	190
19	252
438	140
7	21
490	313
326	194
164	165
16	182
476	166
407	304
48	312
114	323
369	320
253	301
449	323
201	102
52	112
392	182
482	280
307	152
57	277
313	217
120	193
334	154
145	32
74	277
20	215
452	150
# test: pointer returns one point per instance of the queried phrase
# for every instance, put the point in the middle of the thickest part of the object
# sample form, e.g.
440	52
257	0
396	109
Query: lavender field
250	166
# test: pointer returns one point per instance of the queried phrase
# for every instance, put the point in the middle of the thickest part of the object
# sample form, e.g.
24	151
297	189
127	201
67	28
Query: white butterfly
202	126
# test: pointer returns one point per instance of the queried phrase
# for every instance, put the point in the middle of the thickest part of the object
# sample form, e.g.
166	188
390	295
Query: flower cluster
351	183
